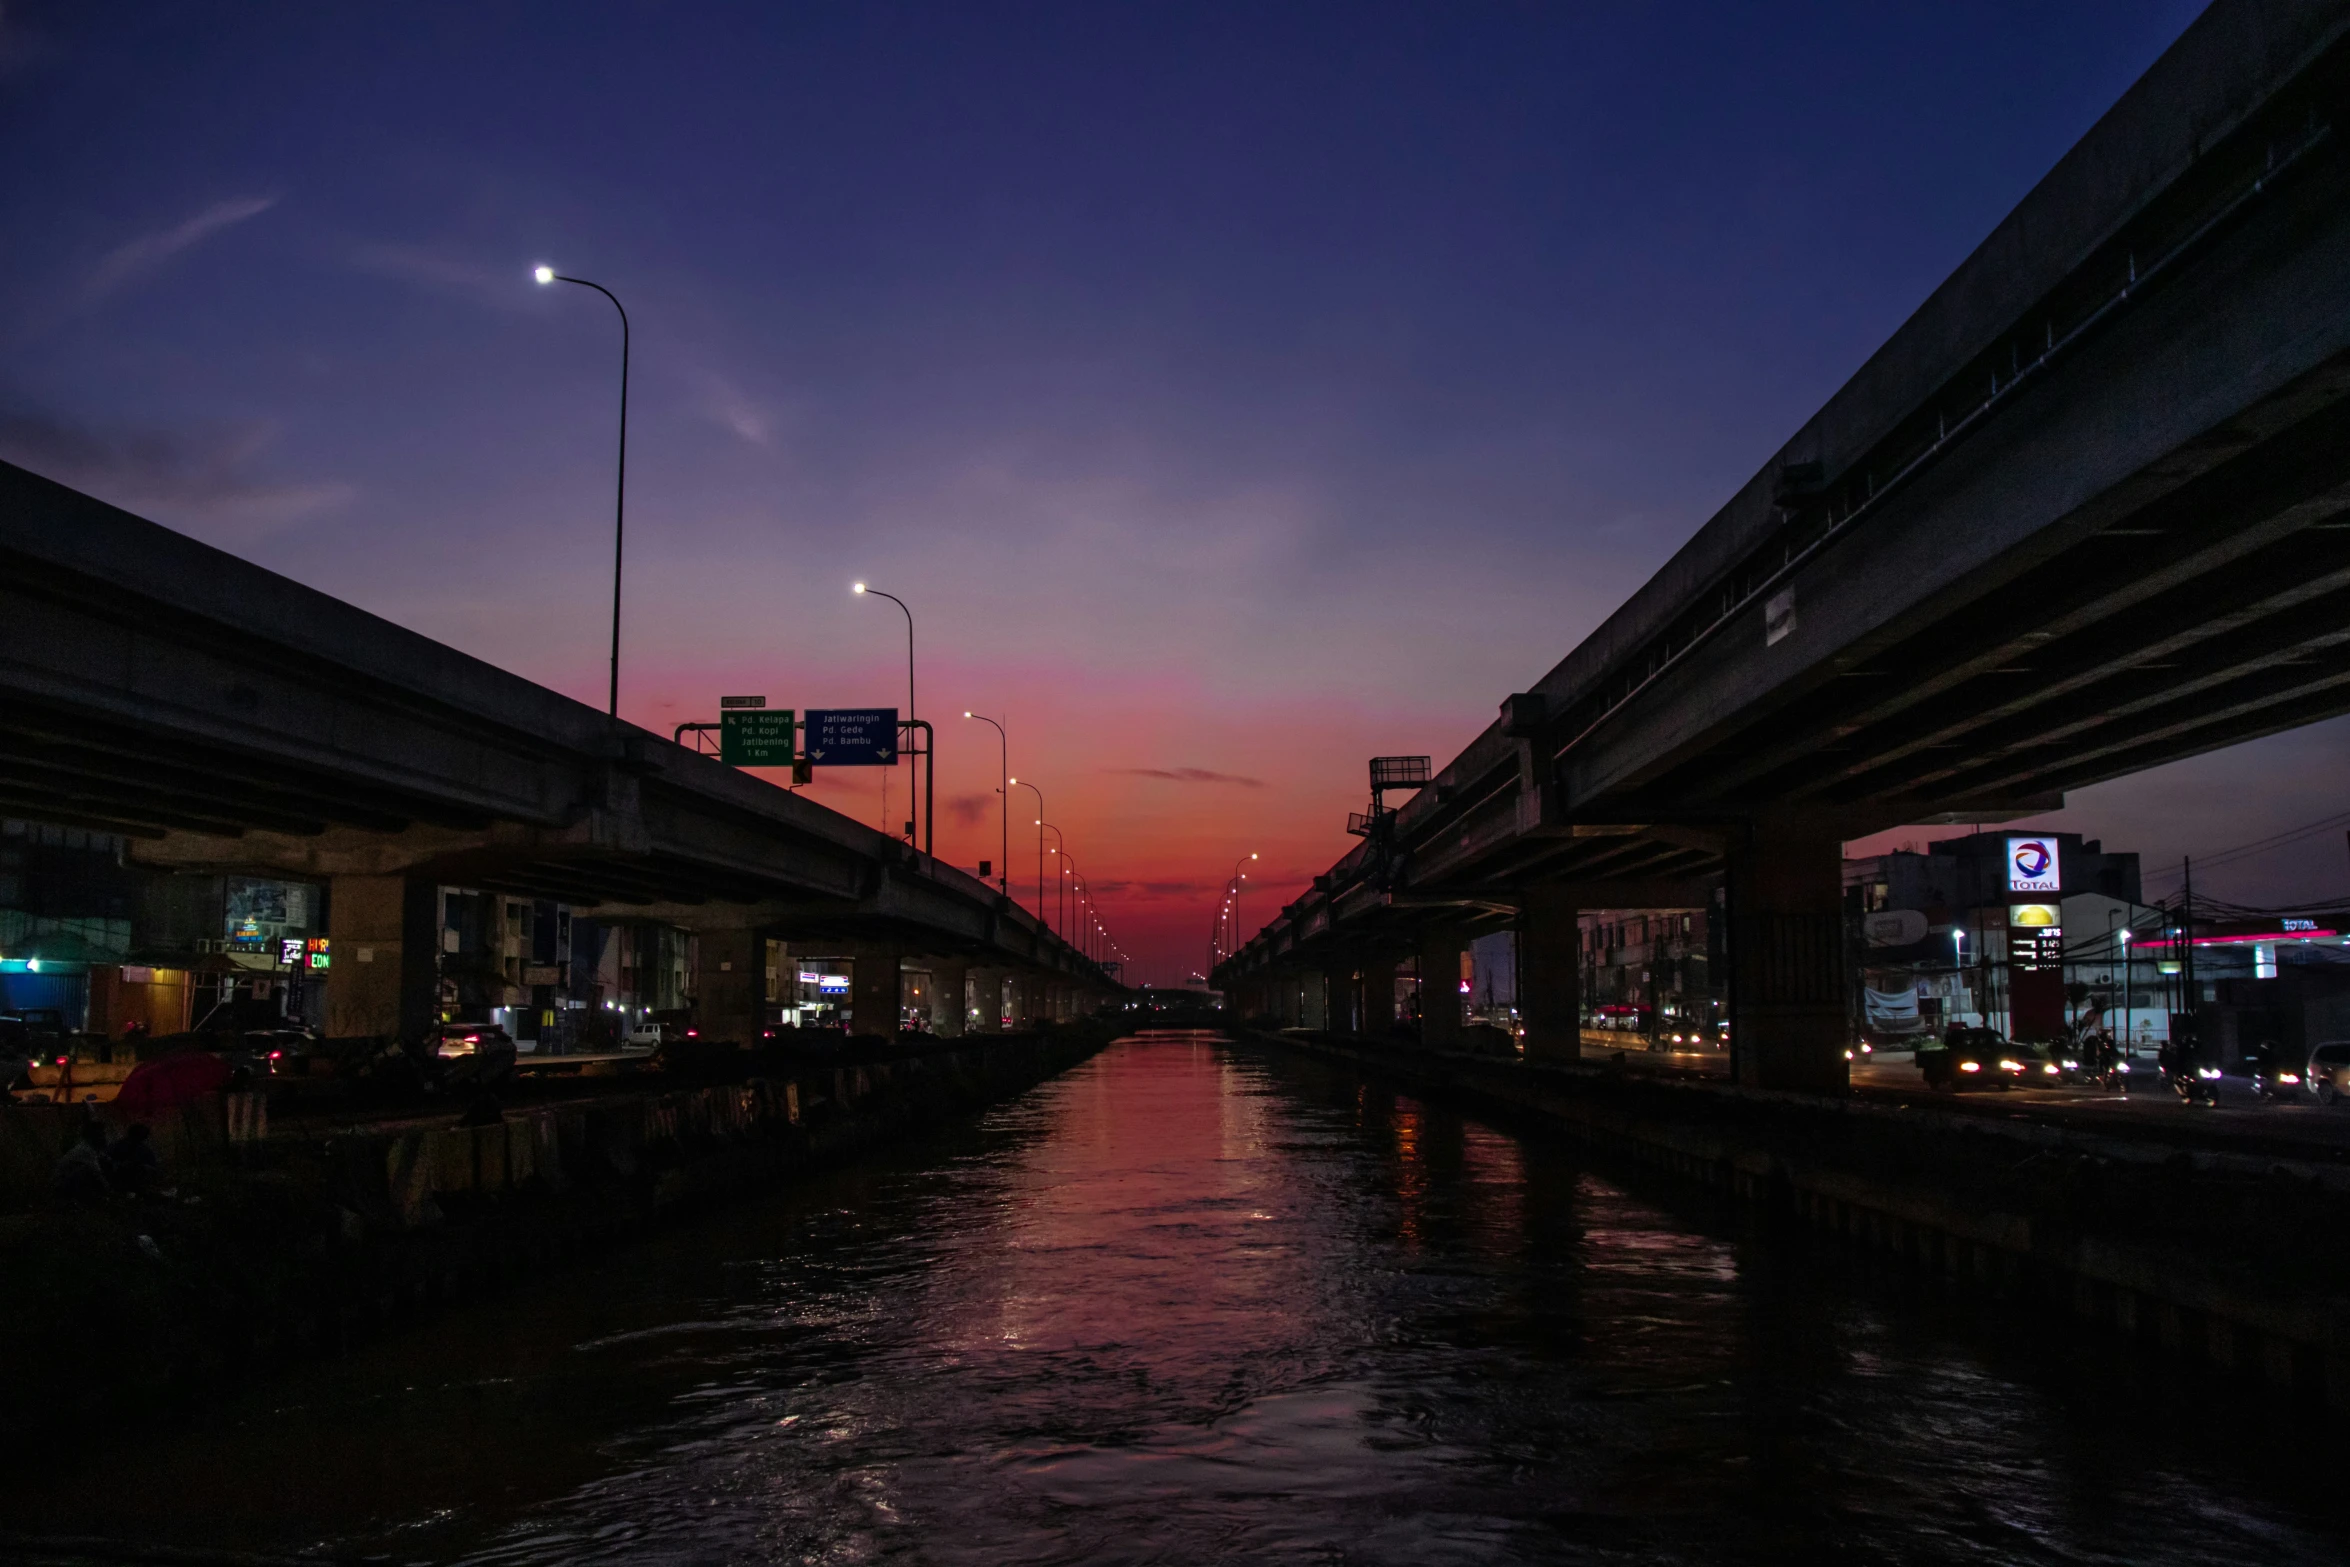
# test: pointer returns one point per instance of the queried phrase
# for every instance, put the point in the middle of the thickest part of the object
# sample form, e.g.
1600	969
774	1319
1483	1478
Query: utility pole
2192	1001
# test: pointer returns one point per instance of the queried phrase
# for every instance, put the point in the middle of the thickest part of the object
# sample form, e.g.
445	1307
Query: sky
1234	392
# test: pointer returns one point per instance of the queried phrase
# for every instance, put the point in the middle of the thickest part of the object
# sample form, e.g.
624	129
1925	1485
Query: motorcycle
2196	1084
2277	1087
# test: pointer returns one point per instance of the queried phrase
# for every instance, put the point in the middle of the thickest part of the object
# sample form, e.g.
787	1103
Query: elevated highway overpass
224	719
2086	512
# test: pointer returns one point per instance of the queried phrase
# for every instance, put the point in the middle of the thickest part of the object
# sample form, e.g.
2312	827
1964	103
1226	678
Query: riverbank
2218	1256
302	1239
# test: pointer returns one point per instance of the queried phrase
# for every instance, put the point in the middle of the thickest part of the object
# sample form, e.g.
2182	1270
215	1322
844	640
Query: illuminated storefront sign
2035	936
2032	865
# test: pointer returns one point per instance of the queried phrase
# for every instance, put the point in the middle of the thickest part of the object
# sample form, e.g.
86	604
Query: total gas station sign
2032	865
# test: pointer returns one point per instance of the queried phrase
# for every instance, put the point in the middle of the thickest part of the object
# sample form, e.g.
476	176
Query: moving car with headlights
472	1055
1983	1058
451	1040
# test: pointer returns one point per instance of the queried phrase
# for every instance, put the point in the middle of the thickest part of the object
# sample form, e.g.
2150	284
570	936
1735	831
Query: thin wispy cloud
507	287
1189	775
728	406
126	264
207	477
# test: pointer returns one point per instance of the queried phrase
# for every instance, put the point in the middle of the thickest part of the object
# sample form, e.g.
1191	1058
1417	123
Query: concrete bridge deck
225	719
2086	512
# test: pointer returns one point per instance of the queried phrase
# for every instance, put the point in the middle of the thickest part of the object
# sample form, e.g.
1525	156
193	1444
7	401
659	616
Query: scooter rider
2178	1070
2270	1080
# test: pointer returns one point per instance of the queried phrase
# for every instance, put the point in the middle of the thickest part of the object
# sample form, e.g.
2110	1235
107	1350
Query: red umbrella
170	1082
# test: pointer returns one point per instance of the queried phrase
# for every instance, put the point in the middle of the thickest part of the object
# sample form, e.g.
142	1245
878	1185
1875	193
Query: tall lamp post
547	275
1060	879
2128	1018
1079	902
1237	878
1039	793
1004	788
912	717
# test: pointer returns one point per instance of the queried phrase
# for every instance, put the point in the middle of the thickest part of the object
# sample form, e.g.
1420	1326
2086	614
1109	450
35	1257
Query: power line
2259	846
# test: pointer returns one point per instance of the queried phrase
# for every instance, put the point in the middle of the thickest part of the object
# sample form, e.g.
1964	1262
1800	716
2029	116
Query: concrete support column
1550	974
730	985
1341	994
987	996
1788	1027
1440	987
383	977
1375	1016
876	989
1313	1000
949	1000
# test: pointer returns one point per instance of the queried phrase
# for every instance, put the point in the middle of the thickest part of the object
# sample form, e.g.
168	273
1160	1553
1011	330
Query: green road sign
756	738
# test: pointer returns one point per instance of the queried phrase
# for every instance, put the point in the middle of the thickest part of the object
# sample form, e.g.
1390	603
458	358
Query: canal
1190	1304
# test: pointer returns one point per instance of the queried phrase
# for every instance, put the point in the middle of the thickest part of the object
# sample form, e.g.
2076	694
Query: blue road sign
852	737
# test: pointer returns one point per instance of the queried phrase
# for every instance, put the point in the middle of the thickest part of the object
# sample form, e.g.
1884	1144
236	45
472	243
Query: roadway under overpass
224	719
2086	512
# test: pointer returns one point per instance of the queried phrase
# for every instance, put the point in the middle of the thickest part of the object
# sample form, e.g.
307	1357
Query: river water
1185	1304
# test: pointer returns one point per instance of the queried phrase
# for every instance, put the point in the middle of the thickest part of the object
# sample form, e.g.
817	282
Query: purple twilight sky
1233	391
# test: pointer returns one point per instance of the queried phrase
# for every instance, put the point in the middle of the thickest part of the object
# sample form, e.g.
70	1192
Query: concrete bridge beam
876	988
730	984
987	995
1440	987
950	1001
382	980
1376	997
1550	973
1788	1022
1342	992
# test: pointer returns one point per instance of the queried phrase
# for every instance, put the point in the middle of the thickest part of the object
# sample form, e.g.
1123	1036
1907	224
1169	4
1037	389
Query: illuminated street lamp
1039	793
862	589
547	275
1004	789
1060	880
1237	879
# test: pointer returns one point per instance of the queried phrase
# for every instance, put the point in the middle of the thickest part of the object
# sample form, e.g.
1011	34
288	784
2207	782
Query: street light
1957	967
1076	897
2129	1019
1060	878
1003	772
1084	912
1238	878
547	275
913	719
1039	793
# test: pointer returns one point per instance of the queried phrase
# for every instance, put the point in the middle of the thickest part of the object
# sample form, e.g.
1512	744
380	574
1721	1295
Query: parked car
2329	1071
282	1052
1983	1058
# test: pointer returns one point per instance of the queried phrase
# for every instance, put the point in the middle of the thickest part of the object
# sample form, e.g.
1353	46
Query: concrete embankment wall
311	1239
2230	1260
